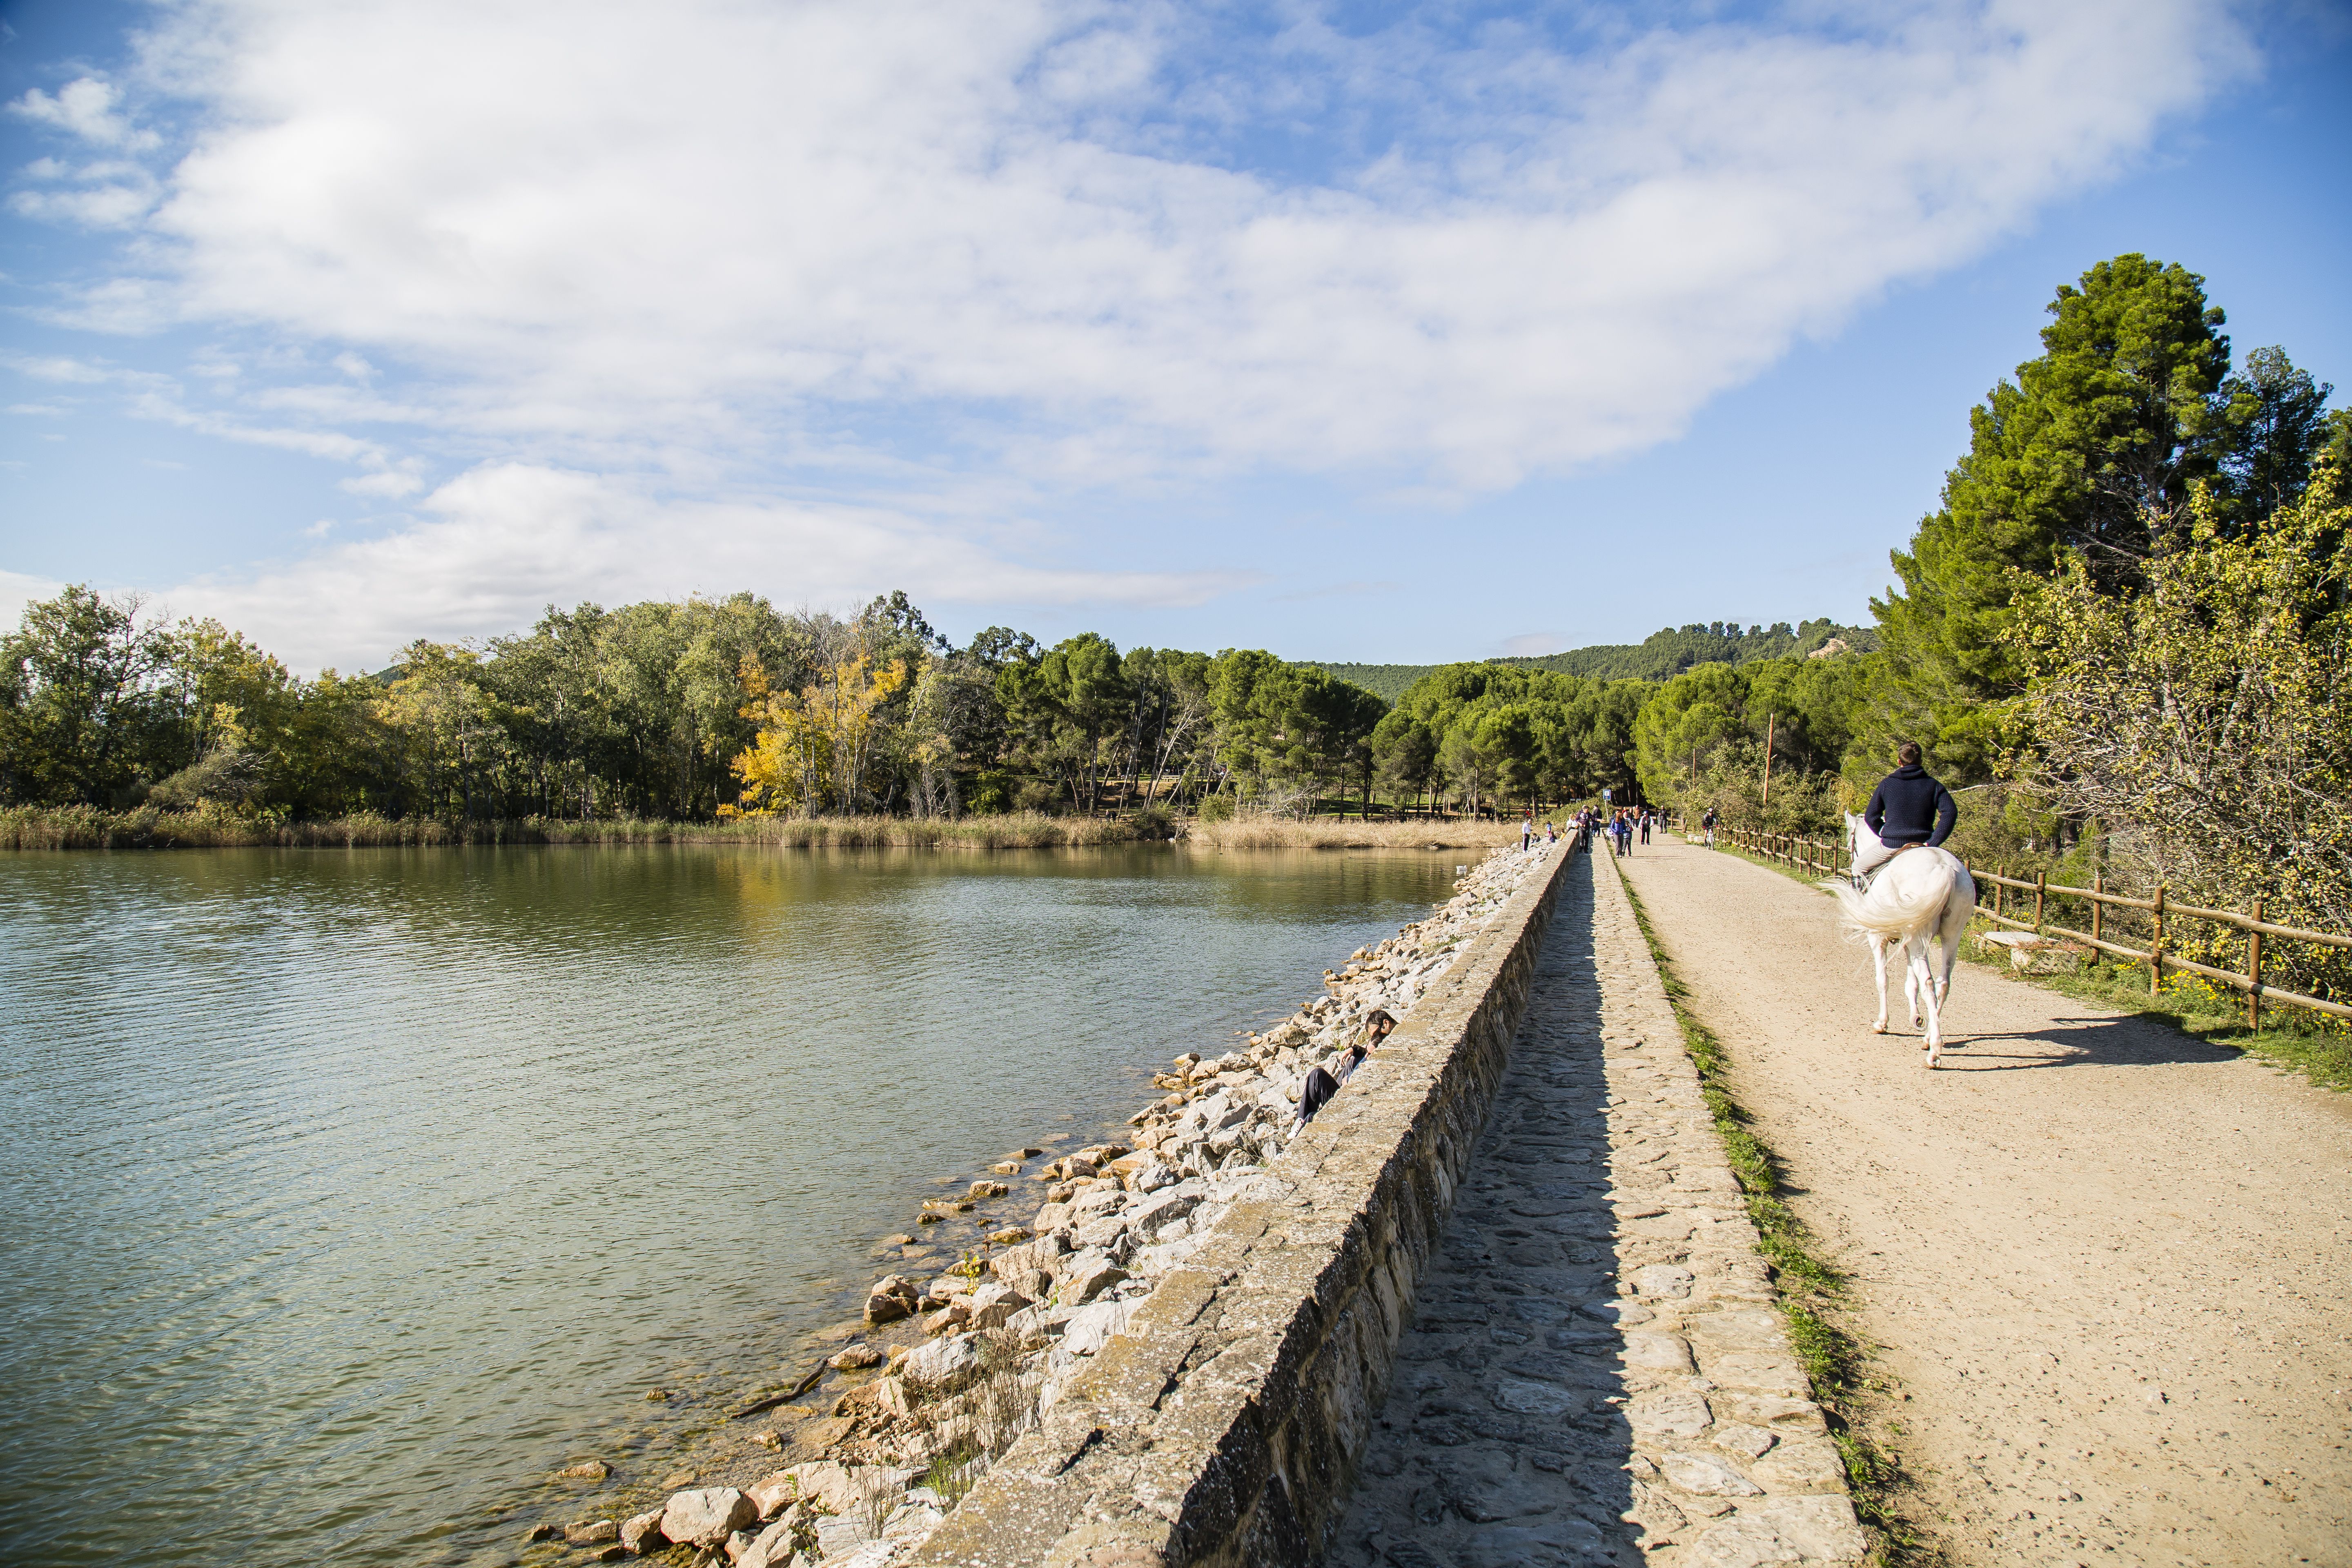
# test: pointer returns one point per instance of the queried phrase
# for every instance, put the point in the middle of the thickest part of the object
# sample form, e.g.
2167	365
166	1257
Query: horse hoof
1878	1028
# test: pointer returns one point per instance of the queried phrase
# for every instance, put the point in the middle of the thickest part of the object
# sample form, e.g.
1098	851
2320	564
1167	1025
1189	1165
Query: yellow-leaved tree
813	747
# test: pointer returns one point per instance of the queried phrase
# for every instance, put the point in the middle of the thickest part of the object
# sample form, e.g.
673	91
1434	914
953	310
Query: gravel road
2108	1266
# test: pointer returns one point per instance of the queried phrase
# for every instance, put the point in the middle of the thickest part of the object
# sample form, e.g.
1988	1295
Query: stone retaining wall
1223	1425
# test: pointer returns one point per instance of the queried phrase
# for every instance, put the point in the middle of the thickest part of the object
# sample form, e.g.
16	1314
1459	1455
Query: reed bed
87	828
1325	833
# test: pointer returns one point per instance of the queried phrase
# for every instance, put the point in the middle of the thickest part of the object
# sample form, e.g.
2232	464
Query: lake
345	1193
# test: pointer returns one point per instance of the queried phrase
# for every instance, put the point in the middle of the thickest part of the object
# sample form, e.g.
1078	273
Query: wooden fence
1829	860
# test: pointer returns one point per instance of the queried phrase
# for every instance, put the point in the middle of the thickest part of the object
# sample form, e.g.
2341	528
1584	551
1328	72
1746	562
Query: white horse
1921	894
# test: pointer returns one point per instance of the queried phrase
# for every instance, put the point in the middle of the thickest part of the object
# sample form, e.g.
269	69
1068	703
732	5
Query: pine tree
2094	449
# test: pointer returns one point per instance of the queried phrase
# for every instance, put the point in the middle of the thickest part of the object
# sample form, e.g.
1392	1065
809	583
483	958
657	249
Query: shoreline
35	829
861	1455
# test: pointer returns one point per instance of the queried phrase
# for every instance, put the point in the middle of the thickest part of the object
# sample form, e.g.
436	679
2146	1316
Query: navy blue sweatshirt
1909	807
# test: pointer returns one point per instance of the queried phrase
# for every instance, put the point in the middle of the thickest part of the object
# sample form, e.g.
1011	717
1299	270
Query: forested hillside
1665	652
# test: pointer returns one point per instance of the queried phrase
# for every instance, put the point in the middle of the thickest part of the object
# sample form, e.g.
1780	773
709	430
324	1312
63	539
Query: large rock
772	1548
1088	1279
706	1516
1107	1232
840	1489
856	1357
840	1537
944	1365
1090	1328
642	1533
912	1521
1014	1261
592	1532
1148	1218
991	1305
774	1495
894	1297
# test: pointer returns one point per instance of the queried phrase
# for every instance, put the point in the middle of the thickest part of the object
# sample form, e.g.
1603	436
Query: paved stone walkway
1595	1372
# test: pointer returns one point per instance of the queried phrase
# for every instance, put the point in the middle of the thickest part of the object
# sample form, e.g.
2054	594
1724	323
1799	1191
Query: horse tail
1893	910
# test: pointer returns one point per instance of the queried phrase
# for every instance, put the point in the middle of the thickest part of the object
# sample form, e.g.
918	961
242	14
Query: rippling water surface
342	1192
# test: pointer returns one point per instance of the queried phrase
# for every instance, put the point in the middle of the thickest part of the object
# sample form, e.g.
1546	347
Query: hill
1661	655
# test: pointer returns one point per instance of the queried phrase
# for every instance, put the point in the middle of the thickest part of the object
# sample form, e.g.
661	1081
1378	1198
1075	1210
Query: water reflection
343	1188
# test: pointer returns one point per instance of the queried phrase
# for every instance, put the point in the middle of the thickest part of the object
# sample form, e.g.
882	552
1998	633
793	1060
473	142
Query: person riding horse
1909	810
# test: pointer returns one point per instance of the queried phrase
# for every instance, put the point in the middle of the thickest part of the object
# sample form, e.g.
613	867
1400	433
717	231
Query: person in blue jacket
1909	808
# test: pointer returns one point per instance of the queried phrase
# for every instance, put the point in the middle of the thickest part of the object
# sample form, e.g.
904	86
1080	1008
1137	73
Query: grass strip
2307	1043
1808	1287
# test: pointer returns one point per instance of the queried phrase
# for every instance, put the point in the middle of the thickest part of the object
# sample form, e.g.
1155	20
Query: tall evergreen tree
2093	450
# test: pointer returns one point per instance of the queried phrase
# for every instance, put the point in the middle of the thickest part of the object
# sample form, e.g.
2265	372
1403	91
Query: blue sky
1386	333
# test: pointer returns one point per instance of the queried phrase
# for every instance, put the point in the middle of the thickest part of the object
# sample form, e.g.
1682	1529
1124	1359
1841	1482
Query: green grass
1808	1288
2307	1043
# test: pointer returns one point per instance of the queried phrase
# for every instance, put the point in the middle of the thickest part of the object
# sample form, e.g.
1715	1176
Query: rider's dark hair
1907	755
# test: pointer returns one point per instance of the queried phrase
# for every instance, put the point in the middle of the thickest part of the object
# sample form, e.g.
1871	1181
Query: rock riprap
1004	1335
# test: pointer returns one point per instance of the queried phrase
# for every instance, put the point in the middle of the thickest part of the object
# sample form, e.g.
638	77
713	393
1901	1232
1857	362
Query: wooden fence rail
1830	860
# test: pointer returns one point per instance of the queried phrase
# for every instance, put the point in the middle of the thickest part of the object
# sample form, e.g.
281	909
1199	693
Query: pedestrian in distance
1706	823
1646	819
1528	830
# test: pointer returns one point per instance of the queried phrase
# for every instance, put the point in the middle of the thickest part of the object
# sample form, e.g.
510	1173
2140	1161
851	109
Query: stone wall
1223	1425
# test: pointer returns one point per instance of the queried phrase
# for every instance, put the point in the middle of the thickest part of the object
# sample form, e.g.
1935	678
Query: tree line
716	708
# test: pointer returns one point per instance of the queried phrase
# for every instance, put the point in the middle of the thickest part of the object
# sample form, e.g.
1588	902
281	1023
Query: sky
1380	333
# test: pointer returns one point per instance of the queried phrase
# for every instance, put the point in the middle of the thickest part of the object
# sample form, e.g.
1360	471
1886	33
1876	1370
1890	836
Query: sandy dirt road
2109	1267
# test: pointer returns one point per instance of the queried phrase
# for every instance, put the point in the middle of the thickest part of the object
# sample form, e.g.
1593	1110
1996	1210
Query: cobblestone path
1595	1372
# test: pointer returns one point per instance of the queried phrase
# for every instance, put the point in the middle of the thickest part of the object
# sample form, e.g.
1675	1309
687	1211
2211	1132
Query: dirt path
2110	1266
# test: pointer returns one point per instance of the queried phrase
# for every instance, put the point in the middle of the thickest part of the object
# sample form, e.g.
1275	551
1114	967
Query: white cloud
85	107
1531	645
906	252
58	368
496	544
18	590
602	220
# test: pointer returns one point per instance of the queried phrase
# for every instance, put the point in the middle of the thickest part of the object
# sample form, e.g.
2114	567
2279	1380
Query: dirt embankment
2106	1264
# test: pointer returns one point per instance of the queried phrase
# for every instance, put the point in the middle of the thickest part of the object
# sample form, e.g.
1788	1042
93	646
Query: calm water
343	1194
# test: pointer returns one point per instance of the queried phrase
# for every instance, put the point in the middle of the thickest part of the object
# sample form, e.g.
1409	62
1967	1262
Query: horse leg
1914	974
1878	956
1934	1008
1957	914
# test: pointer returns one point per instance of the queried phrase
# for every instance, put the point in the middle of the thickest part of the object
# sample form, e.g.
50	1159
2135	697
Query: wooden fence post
2040	891
2156	948
2254	973
2098	886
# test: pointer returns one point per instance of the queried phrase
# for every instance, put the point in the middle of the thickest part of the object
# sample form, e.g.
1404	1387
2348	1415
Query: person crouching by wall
1323	1082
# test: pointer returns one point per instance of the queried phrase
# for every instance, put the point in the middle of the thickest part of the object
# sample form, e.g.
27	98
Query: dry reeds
1254	832
88	828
